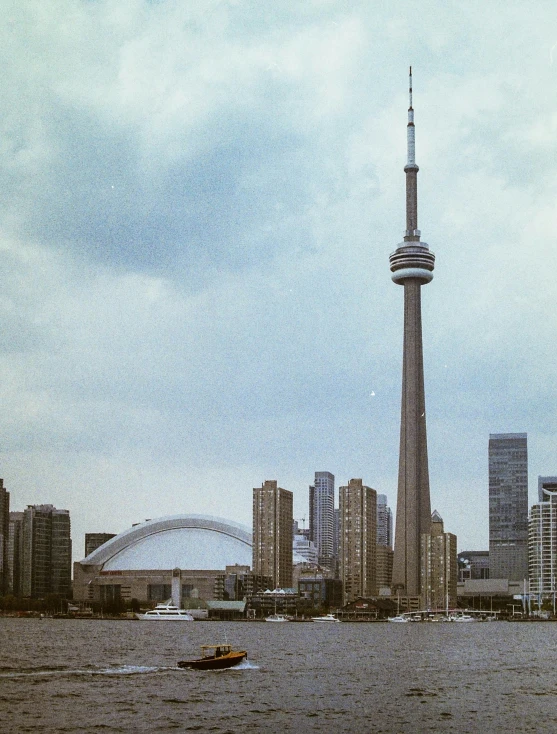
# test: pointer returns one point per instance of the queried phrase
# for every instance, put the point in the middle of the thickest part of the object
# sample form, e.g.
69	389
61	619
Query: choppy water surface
91	676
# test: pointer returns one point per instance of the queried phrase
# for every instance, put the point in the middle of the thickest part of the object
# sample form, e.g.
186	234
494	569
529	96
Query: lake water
121	676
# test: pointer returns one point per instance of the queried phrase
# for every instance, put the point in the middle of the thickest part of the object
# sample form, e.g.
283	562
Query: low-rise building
319	591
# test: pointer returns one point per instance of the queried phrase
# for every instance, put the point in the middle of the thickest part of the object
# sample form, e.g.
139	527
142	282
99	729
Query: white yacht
166	613
326	618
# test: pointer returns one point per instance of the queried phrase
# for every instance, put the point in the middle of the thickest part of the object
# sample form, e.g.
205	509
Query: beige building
358	538
439	566
272	533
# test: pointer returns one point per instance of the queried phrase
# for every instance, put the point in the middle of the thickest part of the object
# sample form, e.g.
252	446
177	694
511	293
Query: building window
159	592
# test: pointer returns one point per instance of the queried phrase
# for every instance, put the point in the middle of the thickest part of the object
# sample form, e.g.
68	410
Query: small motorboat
215	657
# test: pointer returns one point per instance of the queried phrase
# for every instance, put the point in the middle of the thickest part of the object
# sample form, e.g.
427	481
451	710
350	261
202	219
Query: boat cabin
215	651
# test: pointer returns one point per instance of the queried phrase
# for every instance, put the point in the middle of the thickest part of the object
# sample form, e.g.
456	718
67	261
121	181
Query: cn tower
412	266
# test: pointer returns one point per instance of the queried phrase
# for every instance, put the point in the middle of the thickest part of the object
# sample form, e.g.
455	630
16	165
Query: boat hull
163	618
216	663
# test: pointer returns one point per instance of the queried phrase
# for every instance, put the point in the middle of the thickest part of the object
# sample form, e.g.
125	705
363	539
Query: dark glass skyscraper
384	522
508	506
46	560
412	266
4	535
321	521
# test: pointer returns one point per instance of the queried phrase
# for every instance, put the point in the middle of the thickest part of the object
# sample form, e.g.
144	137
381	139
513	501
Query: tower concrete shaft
412	266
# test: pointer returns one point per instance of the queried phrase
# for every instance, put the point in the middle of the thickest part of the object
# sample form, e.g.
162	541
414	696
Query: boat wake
245	665
111	670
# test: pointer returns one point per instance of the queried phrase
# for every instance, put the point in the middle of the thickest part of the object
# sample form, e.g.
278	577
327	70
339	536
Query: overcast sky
198	202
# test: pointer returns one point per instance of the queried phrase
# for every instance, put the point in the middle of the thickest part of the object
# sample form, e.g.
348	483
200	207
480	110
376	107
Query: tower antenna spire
411	133
411	169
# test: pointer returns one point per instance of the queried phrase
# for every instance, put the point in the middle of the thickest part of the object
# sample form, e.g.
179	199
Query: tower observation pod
412	266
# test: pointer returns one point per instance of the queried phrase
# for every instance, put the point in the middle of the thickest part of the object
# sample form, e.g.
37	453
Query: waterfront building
542	541
145	561
238	583
358	540
508	506
321	520
439	573
4	536
95	540
319	591
384	522
46	560
274	601
412	266
15	552
272	533
499	595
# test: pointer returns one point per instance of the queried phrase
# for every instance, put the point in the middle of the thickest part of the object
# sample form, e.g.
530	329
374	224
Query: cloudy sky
197	205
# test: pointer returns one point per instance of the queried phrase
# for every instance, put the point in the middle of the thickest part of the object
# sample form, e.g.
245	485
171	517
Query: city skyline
194	244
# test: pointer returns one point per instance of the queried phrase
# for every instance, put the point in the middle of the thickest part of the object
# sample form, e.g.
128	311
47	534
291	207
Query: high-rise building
412	266
15	552
321	522
384	566
384	543
439	566
272	533
95	540
4	533
46	552
384	522
358	540
542	540
508	506
336	532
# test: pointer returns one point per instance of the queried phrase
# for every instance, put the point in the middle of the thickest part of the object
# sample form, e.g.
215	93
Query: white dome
193	542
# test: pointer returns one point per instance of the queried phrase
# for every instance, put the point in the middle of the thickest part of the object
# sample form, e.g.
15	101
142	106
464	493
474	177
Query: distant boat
461	618
166	613
215	657
433	616
326	618
277	618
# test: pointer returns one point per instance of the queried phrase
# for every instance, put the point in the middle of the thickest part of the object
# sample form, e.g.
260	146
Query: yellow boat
215	657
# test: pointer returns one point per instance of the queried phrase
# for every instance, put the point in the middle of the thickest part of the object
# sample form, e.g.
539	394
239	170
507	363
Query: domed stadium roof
193	542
